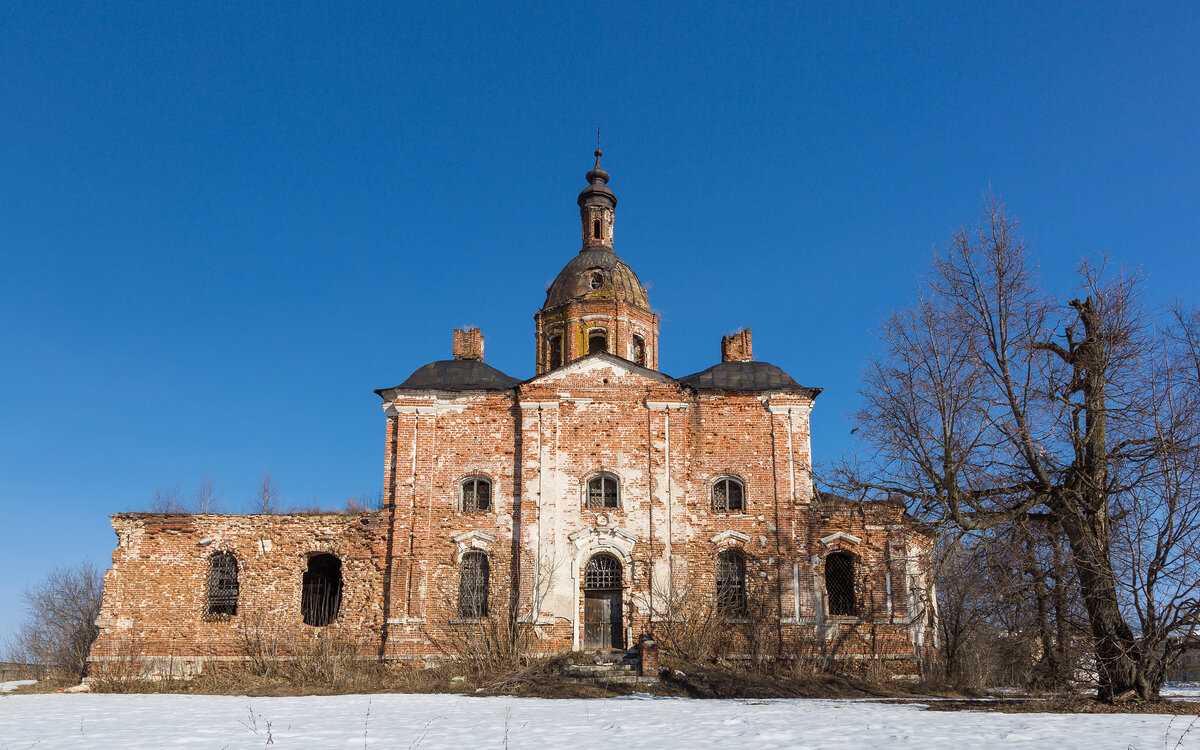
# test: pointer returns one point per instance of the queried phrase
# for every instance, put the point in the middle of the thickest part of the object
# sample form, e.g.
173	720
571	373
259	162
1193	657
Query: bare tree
205	498
60	618
267	499
167	500
994	402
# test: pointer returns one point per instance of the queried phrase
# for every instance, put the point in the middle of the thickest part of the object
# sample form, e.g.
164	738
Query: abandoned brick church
595	503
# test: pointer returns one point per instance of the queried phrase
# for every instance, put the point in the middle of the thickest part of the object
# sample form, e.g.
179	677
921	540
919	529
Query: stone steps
606	667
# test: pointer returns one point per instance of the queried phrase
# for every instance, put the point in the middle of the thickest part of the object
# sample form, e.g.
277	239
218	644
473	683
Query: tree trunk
1118	663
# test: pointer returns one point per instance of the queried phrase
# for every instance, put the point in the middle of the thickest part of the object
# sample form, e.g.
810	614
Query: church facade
595	504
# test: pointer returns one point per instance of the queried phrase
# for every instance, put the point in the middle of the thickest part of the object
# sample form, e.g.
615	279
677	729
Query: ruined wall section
891	598
155	595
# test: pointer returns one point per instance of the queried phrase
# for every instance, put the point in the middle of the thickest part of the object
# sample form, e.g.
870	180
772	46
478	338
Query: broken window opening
839	585
728	494
596	229
597	341
222	584
639	350
602	492
321	597
731	584
597	279
476	494
473	585
556	352
603	571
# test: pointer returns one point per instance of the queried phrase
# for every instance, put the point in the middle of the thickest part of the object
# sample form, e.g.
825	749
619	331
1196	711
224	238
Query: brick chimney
468	344
736	347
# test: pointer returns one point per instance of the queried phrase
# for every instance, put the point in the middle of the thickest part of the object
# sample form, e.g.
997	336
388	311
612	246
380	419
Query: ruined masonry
593	506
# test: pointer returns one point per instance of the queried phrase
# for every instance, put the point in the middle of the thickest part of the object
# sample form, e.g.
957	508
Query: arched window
222	584
728	494
321	597
473	585
603	492
603	571
476	494
839	584
556	351
595	229
731	584
639	350
597	341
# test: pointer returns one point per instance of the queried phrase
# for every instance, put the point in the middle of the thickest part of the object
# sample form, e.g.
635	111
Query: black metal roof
454	375
743	376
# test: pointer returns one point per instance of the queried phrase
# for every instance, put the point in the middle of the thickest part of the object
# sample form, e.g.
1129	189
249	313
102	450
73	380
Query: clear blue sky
222	227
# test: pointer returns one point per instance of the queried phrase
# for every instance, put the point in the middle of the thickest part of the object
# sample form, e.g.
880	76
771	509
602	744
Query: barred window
603	571
731	584
728	494
476	494
839	584
556	352
222	584
473	585
321	595
603	492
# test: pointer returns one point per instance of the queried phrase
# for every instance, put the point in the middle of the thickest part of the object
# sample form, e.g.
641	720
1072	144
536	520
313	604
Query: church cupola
597	205
596	303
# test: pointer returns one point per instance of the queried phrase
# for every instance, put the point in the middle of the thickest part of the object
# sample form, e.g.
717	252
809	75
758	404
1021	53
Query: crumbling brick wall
155	595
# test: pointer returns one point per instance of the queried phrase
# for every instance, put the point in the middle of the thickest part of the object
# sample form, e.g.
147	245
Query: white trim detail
840	535
538	404
730	534
665	405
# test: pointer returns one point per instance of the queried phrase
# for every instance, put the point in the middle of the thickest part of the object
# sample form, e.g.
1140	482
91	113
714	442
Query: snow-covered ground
437	722
11	685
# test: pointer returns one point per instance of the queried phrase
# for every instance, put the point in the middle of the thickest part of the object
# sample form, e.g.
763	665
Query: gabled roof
453	375
588	360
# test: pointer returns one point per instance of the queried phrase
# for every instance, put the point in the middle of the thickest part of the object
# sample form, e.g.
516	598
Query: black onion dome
596	273
454	375
744	376
597	186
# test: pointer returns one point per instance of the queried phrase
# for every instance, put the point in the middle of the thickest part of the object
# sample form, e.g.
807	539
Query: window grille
728	494
602	572
731	584
839	585
556	352
602	492
473	585
476	494
222	584
597	342
321	595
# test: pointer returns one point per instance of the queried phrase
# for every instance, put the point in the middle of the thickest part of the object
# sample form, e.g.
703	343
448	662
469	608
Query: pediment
587	369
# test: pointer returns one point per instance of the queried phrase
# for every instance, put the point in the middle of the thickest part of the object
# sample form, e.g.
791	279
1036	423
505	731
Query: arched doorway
603	618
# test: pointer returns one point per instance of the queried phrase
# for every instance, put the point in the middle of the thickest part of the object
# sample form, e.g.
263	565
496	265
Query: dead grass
1067	705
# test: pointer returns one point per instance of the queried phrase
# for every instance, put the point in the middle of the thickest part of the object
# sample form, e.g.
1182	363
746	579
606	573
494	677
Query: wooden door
602	621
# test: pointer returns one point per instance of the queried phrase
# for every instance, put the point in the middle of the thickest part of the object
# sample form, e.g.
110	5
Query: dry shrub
60	620
329	657
691	628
